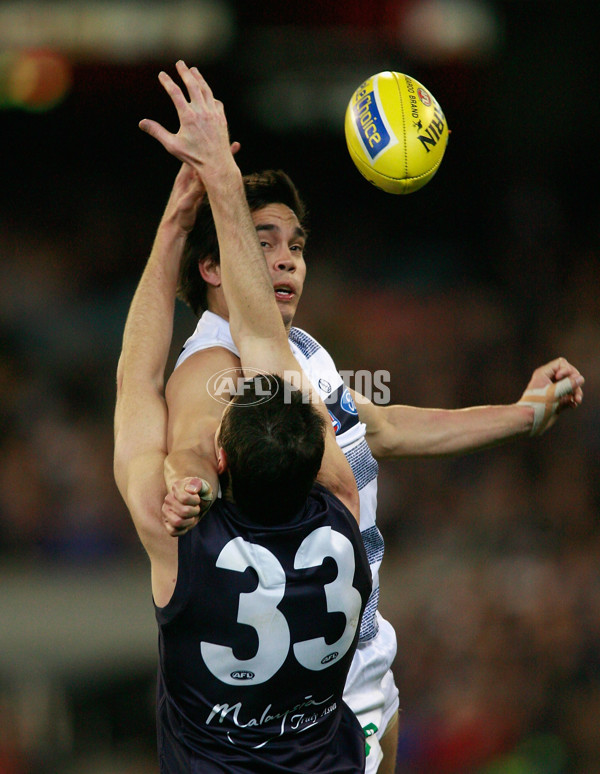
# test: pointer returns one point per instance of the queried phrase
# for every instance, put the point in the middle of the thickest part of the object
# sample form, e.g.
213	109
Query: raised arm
203	142
140	413
255	322
405	431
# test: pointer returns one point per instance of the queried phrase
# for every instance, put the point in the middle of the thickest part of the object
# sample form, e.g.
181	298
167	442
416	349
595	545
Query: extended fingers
173	90
197	87
202	133
154	129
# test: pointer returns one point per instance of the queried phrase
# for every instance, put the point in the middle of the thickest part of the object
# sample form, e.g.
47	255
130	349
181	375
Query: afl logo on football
330	657
347	403
335	422
424	97
243	675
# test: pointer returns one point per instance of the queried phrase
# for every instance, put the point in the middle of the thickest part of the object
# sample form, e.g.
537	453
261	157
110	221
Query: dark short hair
262	188
274	449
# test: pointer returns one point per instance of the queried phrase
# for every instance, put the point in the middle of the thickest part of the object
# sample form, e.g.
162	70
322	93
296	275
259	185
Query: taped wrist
545	401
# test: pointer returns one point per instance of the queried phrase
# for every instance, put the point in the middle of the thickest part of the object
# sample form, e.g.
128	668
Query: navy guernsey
256	643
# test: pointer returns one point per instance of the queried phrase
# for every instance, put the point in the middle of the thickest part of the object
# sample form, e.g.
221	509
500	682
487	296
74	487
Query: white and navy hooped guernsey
350	435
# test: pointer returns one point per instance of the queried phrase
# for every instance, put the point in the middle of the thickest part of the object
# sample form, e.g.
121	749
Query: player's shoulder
324	501
203	377
212	331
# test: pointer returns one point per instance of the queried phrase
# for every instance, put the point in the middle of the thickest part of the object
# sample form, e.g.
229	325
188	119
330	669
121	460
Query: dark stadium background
492	574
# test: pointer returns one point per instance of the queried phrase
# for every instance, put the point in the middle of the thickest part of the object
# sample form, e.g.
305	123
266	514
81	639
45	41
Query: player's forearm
405	431
254	319
140	411
149	326
246	283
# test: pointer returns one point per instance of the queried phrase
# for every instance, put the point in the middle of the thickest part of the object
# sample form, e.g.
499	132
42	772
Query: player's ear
222	462
210	271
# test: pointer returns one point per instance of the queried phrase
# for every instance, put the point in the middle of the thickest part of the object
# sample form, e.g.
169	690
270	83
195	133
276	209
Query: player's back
256	643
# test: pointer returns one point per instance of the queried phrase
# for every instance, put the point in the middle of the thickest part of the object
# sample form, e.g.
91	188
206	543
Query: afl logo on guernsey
241	674
335	422
330	657
324	385
370	123
347	403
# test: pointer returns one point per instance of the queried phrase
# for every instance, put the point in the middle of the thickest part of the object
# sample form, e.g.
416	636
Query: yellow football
396	132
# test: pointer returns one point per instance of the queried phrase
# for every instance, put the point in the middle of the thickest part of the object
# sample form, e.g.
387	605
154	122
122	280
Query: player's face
282	240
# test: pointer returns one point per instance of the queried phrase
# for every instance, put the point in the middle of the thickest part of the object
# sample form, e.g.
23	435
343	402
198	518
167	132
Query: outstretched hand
203	139
186	503
552	388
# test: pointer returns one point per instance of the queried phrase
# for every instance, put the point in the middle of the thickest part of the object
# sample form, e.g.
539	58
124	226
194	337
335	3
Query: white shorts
370	690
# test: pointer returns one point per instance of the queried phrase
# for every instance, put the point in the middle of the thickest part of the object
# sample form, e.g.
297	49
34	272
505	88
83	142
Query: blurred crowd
492	573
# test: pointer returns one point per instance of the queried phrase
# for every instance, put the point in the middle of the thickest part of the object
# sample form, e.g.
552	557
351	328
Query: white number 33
259	608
